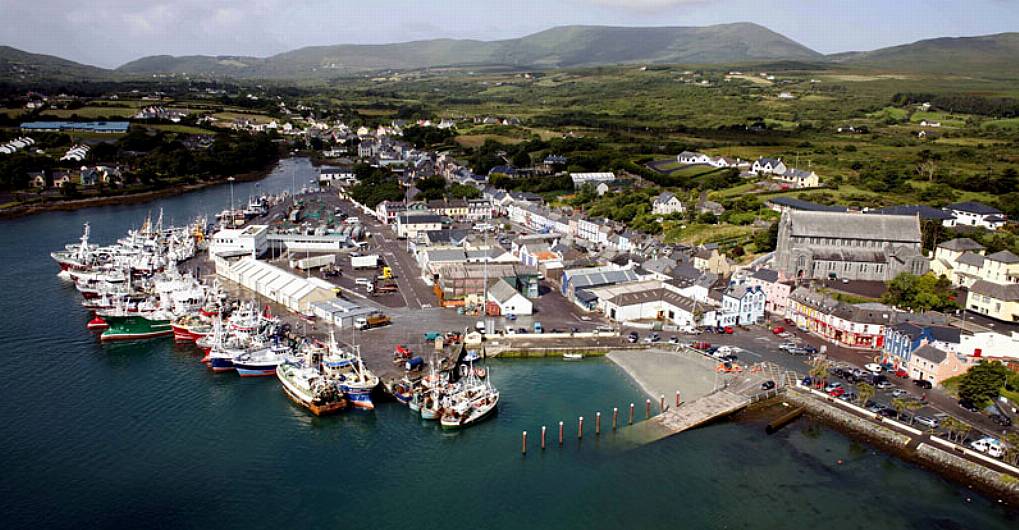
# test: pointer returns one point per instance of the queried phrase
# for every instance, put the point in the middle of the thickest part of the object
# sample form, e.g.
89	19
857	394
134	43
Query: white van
990	446
365	282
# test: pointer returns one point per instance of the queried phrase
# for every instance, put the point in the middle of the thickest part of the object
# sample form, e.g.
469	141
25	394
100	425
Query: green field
1009	124
183	129
89	113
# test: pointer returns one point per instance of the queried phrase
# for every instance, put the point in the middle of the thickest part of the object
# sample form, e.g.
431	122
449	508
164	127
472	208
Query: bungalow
37	179
667	204
508	299
930	123
785	204
798	178
60	178
691	157
769	166
972	213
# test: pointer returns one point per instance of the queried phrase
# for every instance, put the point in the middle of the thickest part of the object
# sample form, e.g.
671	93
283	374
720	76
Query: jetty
710	394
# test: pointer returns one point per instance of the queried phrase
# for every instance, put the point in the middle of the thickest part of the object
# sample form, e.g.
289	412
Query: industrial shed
285	288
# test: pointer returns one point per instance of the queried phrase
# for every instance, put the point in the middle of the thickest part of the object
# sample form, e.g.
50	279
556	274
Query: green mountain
20	66
557	47
989	54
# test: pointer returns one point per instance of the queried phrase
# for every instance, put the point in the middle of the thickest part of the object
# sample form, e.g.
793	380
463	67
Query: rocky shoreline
130	198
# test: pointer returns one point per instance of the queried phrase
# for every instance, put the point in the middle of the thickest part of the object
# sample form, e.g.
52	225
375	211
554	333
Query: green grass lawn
697	233
89	112
1010	124
946	119
894	113
183	129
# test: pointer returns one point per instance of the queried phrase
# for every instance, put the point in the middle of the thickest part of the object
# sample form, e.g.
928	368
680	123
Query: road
757	343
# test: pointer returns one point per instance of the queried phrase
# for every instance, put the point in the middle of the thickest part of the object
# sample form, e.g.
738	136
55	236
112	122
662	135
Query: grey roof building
823	245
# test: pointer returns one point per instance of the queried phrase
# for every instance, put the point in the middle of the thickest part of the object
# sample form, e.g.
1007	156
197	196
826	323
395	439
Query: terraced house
854	326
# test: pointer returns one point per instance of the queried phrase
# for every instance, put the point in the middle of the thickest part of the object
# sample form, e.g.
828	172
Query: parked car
927	421
768	385
728	330
923	383
700	345
777	329
511	317
810	350
785	335
632	337
968	405
849	397
1001	419
883	384
673	340
786	346
875	407
832	386
653	337
901	373
837	392
873	368
898	392
731	358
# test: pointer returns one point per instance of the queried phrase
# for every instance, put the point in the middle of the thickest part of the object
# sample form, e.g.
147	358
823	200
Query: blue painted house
904	338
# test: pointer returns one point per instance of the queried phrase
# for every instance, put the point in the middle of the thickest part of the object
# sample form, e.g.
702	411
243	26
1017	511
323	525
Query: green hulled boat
136	326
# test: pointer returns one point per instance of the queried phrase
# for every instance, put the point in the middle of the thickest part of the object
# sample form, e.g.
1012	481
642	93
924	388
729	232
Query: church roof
855	226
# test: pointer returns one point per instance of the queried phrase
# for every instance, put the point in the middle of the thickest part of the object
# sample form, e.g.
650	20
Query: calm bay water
142	435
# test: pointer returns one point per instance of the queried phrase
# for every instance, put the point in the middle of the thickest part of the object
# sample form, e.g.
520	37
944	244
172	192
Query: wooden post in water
661	403
597	423
615	417
542	437
580	427
560	434
523	443
631	414
677	398
647	408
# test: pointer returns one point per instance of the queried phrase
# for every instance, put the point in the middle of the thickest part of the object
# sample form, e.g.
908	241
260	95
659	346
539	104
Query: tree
1011	440
899	405
919	293
912	406
982	383
865	391
766	240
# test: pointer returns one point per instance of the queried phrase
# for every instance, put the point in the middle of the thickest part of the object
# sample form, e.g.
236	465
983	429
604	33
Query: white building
251	240
971	213
509	299
769	166
691	157
666	204
294	292
410	225
656	304
339	312
579	179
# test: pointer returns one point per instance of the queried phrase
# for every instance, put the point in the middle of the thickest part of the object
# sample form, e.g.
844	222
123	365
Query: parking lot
752	344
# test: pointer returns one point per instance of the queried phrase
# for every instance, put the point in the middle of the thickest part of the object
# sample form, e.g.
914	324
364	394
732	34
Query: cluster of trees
919	293
537	184
436	187
965	103
983	383
374	185
423	137
166	157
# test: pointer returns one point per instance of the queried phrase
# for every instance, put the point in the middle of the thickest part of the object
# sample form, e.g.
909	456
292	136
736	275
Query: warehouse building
283	287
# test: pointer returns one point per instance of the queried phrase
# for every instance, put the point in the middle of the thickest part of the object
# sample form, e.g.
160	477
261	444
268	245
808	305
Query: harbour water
142	435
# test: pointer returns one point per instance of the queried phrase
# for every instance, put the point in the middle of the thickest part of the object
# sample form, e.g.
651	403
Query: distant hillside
558	47
996	55
19	65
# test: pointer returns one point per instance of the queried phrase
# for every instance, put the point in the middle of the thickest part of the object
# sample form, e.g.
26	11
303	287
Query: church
853	246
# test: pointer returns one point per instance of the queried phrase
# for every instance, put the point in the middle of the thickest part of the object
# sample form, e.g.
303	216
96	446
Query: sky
109	33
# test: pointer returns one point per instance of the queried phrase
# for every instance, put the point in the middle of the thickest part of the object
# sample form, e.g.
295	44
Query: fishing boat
136	326
402	390
573	356
261	362
190	328
306	386
76	257
352	377
474	401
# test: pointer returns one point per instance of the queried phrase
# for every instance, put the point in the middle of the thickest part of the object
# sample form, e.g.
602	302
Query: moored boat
136	326
307	387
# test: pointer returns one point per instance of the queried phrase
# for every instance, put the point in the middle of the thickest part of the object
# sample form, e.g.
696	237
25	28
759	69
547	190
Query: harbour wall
995	478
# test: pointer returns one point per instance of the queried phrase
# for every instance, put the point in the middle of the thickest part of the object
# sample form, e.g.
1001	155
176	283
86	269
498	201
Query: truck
387	273
313	262
370	261
371	321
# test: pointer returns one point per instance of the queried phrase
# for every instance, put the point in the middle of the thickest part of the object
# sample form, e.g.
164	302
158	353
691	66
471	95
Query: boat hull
323	409
134	327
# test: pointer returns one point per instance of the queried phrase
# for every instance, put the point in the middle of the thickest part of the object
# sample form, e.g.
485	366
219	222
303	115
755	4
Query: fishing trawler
304	383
